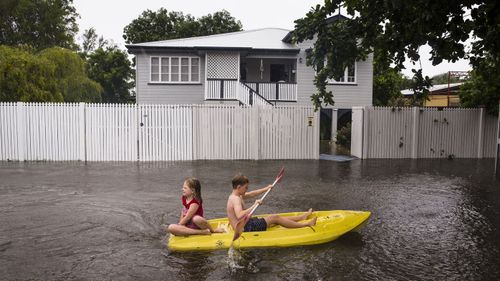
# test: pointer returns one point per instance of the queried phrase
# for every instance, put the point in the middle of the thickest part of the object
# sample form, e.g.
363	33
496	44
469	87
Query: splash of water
234	258
236	261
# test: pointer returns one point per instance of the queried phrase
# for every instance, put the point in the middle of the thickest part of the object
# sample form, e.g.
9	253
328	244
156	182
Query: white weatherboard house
254	67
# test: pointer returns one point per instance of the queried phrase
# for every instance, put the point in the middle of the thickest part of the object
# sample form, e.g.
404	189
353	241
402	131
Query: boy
236	209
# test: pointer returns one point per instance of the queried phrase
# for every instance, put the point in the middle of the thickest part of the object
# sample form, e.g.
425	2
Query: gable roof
260	39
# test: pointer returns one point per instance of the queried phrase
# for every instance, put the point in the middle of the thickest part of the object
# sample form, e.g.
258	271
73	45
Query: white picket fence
385	132
116	132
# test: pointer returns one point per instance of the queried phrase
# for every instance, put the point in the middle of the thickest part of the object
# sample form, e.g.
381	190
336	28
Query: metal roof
264	38
409	92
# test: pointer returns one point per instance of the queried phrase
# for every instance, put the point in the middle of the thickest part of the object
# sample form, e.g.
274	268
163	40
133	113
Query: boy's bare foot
219	230
312	222
307	214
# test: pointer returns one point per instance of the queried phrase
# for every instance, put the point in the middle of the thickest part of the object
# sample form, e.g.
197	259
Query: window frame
346	76
179	70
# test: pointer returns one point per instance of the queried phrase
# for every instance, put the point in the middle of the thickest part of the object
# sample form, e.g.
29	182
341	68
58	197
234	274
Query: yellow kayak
329	226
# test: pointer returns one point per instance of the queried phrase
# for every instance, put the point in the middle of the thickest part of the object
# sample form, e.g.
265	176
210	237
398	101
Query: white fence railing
217	89
105	132
249	97
275	91
384	132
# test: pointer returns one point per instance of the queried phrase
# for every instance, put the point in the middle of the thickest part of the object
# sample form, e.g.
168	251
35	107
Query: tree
26	77
219	22
71	79
111	68
387	82
53	75
38	23
91	41
399	28
485	78
163	25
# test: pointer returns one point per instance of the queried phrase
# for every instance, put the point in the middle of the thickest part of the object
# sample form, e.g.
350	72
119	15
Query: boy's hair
239	179
195	186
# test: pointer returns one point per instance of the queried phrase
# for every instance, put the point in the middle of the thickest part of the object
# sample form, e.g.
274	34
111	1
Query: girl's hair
195	186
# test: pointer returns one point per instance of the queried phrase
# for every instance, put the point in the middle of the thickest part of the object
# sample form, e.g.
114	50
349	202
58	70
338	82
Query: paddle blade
279	176
240	226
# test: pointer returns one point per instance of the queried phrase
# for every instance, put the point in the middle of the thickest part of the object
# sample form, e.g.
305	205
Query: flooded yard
431	220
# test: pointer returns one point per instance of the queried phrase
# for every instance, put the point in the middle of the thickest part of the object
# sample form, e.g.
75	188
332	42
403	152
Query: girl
191	220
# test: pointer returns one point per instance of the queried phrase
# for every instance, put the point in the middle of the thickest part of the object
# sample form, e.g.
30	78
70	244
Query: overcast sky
109	17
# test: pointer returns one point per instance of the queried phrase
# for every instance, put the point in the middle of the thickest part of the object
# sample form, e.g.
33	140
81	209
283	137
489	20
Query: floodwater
431	220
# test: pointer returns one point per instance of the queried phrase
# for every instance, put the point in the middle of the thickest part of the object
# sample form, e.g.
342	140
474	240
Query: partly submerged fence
116	132
392	132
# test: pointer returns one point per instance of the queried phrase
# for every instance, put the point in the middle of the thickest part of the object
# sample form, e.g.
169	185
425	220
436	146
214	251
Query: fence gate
165	132
110	132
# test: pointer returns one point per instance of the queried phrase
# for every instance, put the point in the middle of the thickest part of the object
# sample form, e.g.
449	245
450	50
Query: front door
278	72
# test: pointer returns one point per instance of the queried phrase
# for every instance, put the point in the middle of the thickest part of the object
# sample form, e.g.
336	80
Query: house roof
264	39
434	89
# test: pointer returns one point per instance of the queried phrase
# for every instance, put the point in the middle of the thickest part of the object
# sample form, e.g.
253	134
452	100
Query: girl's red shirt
186	205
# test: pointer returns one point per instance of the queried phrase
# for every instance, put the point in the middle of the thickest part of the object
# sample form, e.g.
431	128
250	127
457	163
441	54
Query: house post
480	133
21	130
222	89
277	91
414	134
335	113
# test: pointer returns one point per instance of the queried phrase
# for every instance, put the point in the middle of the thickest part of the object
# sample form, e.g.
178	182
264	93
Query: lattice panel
223	65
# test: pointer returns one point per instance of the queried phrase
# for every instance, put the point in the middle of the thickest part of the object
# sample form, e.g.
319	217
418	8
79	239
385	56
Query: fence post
497	143
194	131
81	126
316	133
21	129
414	142
139	125
367	140
357	130
480	134
256	132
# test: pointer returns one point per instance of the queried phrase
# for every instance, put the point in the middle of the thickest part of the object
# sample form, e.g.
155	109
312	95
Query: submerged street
431	220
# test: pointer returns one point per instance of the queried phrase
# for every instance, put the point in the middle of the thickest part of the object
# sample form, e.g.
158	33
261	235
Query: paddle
243	221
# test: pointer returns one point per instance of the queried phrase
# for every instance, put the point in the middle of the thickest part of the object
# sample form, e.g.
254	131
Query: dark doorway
325	131
344	118
325	124
278	72
243	71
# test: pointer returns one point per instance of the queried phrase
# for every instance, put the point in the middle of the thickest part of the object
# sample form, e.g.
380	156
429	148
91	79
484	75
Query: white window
349	76
175	70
